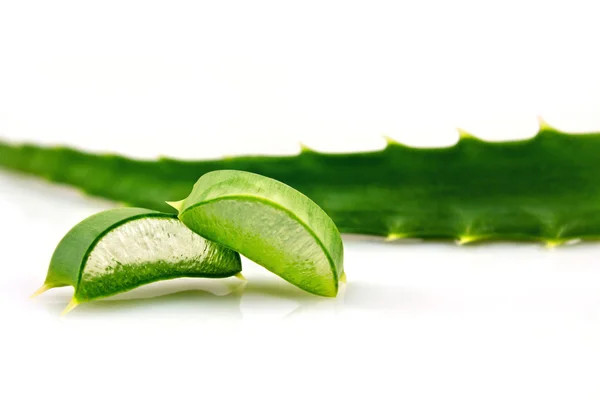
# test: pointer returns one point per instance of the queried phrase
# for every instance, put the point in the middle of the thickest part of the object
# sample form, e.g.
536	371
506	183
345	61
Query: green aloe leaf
270	223
118	250
544	188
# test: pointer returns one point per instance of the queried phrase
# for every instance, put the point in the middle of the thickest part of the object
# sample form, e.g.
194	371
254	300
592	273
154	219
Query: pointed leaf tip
556	242
178	205
164	158
465	135
305	149
552	244
394	236
544	126
240	276
41	290
72	304
466	239
390	141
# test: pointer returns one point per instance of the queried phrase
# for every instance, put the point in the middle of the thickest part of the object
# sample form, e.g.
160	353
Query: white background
207	79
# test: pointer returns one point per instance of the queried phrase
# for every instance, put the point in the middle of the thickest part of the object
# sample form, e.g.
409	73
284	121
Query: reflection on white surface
539	281
408	276
464	317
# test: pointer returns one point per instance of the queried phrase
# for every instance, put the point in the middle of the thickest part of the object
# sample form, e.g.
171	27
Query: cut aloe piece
271	224
118	250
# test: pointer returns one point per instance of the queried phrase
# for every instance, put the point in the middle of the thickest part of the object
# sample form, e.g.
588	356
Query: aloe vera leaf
118	250
544	188
270	223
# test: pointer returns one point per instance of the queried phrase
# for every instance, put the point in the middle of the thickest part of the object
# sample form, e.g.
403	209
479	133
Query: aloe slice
118	250
271	224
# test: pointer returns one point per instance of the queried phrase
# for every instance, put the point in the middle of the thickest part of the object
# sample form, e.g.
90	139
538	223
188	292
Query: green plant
269	223
227	212
545	188
118	250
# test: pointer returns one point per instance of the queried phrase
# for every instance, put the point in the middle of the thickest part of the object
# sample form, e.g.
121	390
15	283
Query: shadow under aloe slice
271	224
118	250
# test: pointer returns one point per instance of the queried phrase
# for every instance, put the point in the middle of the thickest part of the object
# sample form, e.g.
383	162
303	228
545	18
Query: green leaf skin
545	188
84	248
269	223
